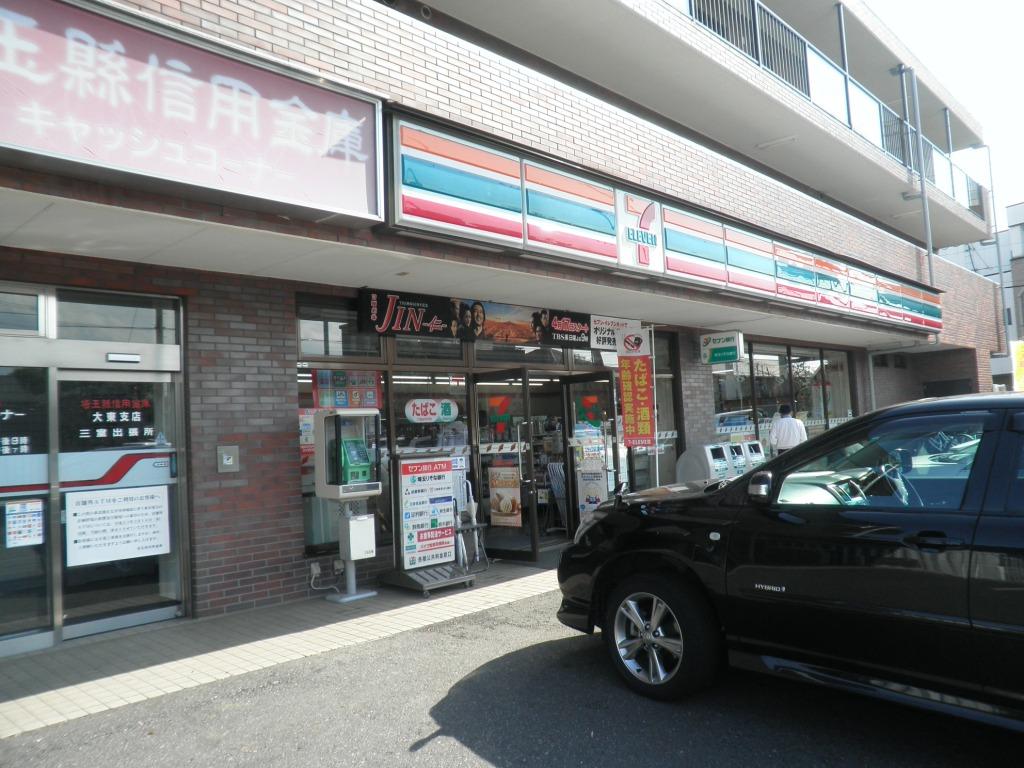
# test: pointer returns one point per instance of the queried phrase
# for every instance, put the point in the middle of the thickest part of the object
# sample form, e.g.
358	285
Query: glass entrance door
507	493
118	499
25	591
593	443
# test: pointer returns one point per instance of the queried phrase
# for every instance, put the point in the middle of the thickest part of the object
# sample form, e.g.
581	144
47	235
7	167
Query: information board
117	524
427	504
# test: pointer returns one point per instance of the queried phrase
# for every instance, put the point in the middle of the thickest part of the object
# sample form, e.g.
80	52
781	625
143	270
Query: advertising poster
603	330
590	474
427	502
506	501
346	389
636	388
390	312
24	523
117	524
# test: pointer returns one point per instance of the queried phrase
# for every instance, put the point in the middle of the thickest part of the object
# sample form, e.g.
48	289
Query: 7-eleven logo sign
640	233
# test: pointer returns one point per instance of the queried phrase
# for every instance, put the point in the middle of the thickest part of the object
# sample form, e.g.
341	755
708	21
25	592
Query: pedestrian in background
788	432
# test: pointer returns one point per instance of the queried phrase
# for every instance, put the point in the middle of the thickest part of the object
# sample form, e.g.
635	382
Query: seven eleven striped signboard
450	185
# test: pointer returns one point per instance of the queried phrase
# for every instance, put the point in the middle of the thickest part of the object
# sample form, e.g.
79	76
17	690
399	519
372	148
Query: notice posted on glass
117	524
428	512
24	526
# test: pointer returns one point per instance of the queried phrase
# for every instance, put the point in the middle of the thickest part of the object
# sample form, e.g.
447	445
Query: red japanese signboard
79	86
636	387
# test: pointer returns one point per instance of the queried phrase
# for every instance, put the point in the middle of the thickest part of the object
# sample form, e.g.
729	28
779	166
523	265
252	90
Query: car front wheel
662	636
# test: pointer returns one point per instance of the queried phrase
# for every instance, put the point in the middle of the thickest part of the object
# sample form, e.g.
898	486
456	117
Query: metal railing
756	31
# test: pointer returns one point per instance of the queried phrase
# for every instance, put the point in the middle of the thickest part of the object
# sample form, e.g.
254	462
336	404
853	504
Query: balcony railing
777	47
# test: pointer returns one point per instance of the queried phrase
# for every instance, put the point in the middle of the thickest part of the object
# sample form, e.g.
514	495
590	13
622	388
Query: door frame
180	531
527	482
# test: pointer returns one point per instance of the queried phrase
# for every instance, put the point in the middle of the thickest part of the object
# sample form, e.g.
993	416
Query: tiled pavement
99	673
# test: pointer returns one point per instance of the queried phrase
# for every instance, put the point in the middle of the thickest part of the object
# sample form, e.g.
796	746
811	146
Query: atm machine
737	459
754	453
345	464
704	464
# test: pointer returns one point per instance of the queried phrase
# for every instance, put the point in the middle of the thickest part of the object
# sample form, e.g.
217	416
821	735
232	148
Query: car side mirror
759	488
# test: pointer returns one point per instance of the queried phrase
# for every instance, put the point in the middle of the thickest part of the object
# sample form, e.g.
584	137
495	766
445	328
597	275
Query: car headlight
588	522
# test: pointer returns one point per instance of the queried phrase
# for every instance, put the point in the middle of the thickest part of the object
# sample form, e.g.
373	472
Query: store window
413	349
808	391
430	410
583	359
340	388
329	328
93	316
493	352
734	409
19	312
838	398
771	384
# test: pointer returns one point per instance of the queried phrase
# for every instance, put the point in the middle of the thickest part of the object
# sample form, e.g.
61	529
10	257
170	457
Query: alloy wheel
648	638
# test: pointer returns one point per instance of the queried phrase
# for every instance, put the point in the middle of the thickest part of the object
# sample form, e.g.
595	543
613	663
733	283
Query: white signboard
431	411
603	329
24	523
117	524
428	512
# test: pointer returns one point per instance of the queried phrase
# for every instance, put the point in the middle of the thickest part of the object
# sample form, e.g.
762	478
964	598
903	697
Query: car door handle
932	540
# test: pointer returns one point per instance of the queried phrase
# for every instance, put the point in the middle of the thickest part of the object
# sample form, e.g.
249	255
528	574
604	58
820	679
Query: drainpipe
921	174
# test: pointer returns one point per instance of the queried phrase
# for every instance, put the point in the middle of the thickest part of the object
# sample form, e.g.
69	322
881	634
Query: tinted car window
906	464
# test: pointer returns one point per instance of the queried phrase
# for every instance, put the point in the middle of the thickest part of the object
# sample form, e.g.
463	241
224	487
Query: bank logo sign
450	185
721	347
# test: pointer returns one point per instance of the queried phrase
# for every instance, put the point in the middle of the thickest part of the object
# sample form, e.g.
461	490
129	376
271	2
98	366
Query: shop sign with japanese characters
117	524
428	512
82	87
636	387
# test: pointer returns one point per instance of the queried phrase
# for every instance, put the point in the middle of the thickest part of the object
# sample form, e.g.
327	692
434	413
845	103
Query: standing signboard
636	387
427	508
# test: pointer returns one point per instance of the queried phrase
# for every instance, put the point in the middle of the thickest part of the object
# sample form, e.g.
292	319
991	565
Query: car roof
956	402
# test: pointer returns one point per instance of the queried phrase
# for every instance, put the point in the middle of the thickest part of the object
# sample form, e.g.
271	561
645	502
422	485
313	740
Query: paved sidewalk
108	671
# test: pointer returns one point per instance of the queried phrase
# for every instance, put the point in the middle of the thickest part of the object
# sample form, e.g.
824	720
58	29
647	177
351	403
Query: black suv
885	557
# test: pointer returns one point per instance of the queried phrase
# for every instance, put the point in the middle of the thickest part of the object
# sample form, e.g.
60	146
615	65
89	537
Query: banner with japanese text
83	87
636	387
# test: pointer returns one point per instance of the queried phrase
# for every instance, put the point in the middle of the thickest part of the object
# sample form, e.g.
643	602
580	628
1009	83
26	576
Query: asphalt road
507	687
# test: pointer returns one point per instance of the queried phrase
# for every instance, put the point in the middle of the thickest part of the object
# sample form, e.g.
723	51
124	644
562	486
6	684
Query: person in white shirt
788	432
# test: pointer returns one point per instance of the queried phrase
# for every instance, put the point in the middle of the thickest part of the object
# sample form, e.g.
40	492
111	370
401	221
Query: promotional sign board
427	504
722	347
602	331
83	87
117	524
390	313
431	411
636	388
506	498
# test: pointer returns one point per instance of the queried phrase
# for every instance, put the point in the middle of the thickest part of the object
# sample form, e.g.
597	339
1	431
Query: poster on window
506	497
23	523
117	524
427	502
346	389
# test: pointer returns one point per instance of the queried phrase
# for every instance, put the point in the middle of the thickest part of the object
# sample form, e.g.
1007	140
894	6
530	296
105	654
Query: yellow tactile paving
57	685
